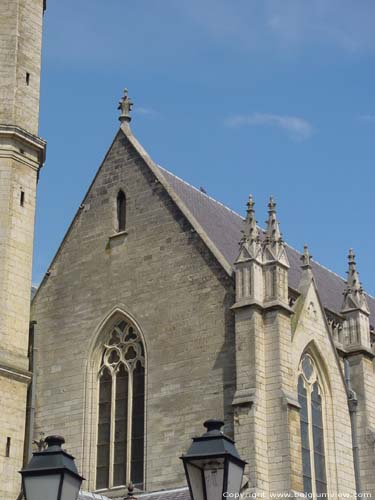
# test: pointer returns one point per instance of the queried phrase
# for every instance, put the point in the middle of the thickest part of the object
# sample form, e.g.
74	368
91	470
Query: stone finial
306	258
354	297
251	232
125	106
273	234
130	492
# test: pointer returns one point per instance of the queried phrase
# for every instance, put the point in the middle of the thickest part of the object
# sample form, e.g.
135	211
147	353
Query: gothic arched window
312	434
120	441
121	211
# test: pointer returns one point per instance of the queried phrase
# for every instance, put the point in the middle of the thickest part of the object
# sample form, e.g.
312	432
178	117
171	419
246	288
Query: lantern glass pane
235	473
196	481
214	478
70	487
42	487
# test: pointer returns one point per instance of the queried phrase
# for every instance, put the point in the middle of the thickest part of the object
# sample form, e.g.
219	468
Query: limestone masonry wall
164	277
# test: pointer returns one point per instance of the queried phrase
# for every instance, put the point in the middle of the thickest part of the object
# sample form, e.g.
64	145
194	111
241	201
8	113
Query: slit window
27	78
22	198
121	211
7	448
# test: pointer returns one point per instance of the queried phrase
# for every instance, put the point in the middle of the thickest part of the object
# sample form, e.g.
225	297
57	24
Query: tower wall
20	56
21	155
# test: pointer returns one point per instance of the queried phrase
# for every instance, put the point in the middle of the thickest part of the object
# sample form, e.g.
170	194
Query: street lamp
51	474
212	464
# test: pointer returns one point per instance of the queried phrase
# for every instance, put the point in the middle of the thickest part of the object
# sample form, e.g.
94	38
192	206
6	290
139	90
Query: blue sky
246	96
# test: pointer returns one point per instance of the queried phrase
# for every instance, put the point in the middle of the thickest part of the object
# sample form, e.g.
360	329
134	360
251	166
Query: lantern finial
213	425
54	441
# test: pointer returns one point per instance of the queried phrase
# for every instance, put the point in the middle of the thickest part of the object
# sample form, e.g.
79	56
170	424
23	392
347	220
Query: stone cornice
247	303
11	134
359	351
277	304
244	397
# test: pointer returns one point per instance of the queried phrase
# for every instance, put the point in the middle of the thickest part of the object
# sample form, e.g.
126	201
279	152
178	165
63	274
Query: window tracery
312	433
120	441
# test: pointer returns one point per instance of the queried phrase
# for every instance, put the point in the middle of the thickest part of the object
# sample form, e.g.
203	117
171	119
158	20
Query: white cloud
96	36
152	113
296	127
278	25
367	118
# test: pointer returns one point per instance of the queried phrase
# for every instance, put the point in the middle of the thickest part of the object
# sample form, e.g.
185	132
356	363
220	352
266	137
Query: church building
162	308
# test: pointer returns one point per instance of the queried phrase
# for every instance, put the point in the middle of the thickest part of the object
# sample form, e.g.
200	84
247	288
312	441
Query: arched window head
312	434
121	211
120	441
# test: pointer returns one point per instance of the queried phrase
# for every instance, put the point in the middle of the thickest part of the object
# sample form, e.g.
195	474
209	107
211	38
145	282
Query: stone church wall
162	275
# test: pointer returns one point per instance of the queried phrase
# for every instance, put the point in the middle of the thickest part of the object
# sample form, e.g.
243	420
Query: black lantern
51	474
213	466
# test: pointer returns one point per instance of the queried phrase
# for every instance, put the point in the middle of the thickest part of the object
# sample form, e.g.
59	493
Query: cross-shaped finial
125	106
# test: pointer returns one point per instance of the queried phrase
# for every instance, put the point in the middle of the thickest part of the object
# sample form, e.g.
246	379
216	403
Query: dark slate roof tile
223	227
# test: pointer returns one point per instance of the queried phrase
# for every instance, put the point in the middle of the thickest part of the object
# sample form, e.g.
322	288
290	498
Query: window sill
118	235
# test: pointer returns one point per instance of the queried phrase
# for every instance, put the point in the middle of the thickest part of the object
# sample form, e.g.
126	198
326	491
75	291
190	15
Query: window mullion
130	425
112	431
311	439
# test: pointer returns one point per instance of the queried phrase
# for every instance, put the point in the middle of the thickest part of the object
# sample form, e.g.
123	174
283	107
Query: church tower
21	156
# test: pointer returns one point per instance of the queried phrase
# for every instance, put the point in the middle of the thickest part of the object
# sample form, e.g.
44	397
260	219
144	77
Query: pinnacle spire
306	258
251	232
354	297
307	274
353	283
273	234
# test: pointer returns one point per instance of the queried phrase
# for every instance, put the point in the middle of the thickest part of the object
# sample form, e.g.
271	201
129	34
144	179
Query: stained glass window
312	433
120	441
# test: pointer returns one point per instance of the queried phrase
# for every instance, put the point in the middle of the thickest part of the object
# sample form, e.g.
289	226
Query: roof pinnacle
273	234
125	106
354	296
251	231
306	258
353	283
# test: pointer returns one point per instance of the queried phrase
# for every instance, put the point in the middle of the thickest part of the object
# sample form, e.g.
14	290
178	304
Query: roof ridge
201	192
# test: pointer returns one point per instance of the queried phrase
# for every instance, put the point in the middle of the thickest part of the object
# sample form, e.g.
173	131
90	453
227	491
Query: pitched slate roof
223	227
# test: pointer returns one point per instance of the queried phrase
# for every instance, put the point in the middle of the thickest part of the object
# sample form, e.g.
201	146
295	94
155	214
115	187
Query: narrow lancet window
120	449
104	429
121	211
312	432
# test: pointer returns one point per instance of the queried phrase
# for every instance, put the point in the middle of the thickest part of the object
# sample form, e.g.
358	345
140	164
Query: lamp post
212	464
51	474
